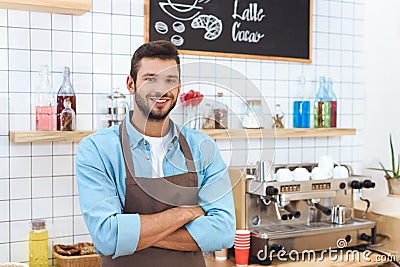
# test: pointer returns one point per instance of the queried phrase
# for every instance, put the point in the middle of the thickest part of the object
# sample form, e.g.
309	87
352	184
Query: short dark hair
155	49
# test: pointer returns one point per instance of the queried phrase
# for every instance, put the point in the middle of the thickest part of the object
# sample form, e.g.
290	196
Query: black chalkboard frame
307	59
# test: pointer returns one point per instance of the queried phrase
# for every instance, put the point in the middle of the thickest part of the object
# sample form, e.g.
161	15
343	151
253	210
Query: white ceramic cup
319	173
326	162
284	175
340	172
301	174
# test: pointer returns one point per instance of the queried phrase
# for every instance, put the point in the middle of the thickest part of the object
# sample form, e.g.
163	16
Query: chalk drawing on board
177	40
178	11
161	27
204	1
178	26
210	23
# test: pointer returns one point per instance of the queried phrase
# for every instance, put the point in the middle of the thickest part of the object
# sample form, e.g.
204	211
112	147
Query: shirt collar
136	139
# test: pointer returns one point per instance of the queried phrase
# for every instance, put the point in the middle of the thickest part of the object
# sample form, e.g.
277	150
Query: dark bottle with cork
66	92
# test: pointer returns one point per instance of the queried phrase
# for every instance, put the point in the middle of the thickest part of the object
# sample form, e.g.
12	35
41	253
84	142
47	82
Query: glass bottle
333	103
322	106
301	106
253	115
67	117
66	92
278	117
44	102
220	113
208	122
38	244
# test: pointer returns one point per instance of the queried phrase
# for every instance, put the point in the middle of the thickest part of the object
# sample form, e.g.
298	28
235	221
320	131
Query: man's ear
130	85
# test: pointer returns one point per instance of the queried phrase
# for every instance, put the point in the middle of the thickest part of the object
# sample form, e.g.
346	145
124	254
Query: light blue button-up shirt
100	173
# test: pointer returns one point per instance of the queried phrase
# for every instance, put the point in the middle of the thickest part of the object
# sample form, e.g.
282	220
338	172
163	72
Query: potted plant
392	175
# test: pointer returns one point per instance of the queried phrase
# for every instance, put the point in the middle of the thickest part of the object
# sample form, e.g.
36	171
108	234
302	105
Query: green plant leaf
385	170
392	154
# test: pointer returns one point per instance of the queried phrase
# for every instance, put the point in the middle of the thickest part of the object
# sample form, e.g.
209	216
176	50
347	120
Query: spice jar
220	113
278	117
208	122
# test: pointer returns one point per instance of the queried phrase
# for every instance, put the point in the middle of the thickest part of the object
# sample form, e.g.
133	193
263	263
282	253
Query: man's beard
147	110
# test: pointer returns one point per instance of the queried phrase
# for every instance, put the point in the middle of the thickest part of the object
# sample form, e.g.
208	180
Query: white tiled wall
37	180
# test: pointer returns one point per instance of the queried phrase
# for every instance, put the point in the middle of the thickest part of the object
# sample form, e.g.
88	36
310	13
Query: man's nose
163	87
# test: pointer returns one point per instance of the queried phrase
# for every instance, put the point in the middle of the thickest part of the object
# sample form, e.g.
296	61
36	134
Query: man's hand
158	226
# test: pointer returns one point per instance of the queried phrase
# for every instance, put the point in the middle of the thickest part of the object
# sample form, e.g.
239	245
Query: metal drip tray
304	229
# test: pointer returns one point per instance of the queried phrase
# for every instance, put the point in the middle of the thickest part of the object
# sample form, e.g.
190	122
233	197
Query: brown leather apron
143	196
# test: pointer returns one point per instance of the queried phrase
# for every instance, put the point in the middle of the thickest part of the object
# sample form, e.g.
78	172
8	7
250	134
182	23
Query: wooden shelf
69	7
76	136
278	133
48	136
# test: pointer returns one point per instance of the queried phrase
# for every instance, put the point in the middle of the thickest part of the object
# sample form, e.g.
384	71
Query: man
153	193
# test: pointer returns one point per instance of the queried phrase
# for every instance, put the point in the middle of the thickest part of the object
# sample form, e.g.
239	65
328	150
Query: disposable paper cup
242	242
242	238
242	232
242	256
241	246
221	255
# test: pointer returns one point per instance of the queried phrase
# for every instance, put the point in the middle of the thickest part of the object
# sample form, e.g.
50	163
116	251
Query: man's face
157	87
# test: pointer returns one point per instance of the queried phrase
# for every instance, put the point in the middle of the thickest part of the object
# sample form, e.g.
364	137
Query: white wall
382	74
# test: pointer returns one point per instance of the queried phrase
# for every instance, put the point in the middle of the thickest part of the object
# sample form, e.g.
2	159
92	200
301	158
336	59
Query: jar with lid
117	108
220	113
278	117
38	244
253	116
208	121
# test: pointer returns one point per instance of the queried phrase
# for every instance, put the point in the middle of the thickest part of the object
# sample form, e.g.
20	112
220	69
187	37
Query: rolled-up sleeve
216	230
113	233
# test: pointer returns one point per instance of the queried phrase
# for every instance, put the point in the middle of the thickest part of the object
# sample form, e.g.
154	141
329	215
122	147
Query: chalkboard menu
262	29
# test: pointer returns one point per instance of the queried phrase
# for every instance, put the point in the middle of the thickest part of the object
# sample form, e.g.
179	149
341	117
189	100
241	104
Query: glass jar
208	122
38	244
278	117
220	113
253	116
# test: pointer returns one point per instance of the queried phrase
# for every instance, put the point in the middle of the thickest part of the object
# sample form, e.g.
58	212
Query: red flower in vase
191	98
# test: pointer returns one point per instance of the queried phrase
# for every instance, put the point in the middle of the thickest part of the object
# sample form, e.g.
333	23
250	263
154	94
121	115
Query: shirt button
132	146
144	143
147	157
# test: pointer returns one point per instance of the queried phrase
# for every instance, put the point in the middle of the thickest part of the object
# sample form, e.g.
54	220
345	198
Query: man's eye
172	81
150	79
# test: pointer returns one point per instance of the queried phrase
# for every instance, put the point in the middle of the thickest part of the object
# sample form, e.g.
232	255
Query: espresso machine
303	215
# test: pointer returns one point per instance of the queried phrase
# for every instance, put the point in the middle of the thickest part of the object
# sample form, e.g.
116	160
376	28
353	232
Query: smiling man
153	193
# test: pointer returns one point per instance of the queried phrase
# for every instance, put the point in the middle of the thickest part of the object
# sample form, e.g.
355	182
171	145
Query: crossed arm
165	229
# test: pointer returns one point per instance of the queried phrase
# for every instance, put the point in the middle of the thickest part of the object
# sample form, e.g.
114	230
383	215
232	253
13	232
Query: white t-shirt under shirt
158	149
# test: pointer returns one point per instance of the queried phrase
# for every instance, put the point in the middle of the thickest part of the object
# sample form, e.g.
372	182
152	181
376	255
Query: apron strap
186	152
129	168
